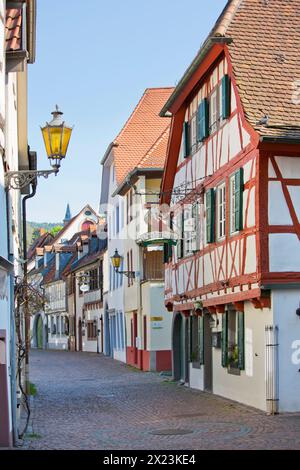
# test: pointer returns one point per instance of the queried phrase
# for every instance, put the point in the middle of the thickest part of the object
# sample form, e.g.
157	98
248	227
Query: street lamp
56	135
116	262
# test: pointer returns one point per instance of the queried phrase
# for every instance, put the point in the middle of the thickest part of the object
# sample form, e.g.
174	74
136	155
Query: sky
95	59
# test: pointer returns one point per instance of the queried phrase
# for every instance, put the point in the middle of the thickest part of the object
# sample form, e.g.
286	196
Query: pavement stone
89	401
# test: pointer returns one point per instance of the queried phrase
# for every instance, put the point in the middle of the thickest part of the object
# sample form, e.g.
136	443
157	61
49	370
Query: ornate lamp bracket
21	179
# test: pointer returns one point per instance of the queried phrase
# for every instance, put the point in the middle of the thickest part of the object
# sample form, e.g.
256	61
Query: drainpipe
13	388
27	313
272	392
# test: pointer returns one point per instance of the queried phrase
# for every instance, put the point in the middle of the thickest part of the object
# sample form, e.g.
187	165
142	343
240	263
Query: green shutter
202	121
238	199
166	252
210	216
225	339
201	339
186	145
241	340
226	97
190	338
196	235
180	242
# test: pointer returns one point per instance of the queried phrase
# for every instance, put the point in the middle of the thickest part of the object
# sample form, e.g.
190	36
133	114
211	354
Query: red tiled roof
142	130
50	275
39	243
13	29
265	59
89	259
156	156
67	269
264	53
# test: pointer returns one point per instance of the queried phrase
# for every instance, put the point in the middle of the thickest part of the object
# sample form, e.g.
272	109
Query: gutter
126	184
280	140
31	33
205	49
108	150
7	265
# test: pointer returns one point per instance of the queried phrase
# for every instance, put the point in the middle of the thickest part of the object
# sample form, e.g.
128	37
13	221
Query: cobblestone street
87	401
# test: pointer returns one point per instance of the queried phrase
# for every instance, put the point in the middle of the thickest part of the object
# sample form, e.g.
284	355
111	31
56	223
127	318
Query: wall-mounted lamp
116	262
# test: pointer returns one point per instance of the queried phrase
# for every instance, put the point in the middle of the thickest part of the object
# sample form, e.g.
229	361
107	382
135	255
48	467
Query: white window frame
221	212
213	111
232	204
193	131
189	232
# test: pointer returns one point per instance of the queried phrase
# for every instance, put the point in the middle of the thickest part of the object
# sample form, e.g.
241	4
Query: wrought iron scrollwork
21	179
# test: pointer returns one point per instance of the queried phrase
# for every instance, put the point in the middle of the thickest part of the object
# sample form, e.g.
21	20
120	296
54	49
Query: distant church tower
68	215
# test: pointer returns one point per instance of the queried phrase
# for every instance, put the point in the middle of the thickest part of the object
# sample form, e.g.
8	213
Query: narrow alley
88	401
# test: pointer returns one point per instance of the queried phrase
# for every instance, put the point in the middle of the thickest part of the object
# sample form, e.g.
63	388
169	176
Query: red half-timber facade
232	181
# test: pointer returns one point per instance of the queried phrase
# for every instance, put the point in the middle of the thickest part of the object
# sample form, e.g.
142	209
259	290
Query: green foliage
55	230
33	435
32	389
33	230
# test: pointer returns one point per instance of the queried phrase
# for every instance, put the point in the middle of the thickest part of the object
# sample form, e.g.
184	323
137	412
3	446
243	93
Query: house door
208	362
39	332
179	345
101	334
80	335
135	331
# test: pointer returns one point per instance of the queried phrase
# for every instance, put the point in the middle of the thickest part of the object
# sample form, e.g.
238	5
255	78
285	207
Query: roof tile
134	146
13	29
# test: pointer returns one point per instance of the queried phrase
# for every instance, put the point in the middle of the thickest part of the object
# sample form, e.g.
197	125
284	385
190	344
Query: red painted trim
261	213
278	149
232	298
281	278
163	361
239	306
282	229
287	181
287	196
172	155
253	134
196	81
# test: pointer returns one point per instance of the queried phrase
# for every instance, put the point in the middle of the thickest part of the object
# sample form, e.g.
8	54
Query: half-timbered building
232	180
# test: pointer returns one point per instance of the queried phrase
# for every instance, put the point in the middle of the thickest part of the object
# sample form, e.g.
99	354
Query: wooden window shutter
180	242
210	216
190	343
241	340
196	225
201	339
225	339
202	121
186	144
226	97
167	252
238	199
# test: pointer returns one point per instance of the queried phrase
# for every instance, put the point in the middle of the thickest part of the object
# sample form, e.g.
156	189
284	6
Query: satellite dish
84	288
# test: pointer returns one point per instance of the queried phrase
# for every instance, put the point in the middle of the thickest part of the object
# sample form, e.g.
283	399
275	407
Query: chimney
38	256
85	248
57	261
47	254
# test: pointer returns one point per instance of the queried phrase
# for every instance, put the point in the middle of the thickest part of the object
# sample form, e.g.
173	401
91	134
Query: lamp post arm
130	274
21	179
